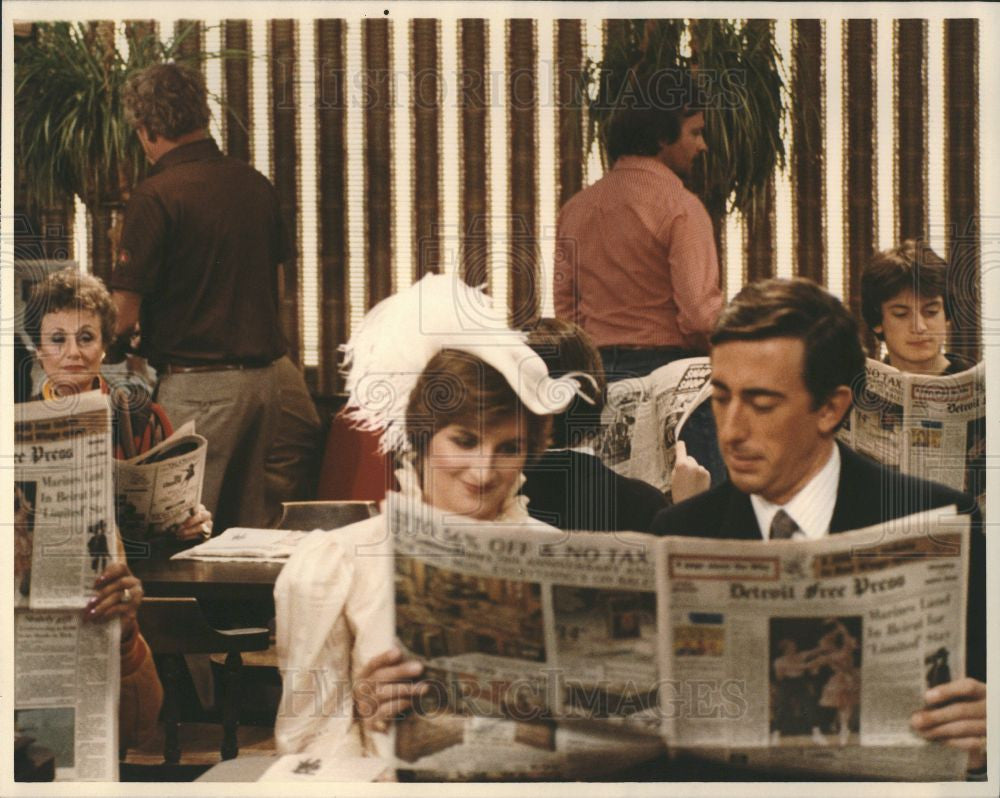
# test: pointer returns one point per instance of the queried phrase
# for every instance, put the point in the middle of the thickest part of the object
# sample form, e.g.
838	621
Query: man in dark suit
785	356
567	485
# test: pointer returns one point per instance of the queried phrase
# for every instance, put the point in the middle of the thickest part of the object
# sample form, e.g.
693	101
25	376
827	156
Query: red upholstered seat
352	468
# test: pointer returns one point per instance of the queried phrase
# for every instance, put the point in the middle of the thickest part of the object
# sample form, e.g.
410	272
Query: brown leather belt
174	368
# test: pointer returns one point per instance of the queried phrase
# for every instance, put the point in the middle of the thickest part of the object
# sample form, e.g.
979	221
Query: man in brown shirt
198	270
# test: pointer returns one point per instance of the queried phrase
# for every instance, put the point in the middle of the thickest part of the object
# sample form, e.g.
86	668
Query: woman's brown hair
456	387
69	289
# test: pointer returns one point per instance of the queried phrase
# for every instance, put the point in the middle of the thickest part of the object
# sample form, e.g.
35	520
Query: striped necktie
783	526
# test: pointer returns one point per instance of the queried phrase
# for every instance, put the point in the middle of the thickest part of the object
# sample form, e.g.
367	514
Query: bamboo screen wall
401	146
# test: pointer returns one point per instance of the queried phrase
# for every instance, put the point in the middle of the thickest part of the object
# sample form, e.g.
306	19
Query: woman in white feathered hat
462	402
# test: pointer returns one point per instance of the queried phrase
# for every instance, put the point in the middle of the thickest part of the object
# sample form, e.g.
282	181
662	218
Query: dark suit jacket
867	494
576	491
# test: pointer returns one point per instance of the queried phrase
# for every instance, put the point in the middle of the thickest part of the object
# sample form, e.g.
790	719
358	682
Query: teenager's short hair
912	265
799	308
69	289
649	111
168	100
565	348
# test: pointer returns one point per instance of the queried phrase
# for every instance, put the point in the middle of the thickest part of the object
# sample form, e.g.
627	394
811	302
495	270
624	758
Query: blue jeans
621	362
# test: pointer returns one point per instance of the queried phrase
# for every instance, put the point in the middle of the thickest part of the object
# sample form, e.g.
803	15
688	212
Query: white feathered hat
400	335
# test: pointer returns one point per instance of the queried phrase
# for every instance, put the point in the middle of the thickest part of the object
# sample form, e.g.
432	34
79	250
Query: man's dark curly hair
168	100
651	110
799	308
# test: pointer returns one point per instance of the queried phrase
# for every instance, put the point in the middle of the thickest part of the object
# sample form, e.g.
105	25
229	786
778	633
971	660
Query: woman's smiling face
471	469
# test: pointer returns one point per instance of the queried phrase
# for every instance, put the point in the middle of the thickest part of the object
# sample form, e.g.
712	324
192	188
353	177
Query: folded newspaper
570	654
157	490
66	672
306	768
642	416
245	543
933	427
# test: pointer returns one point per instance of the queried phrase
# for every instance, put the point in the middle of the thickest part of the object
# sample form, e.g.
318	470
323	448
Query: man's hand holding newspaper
955	714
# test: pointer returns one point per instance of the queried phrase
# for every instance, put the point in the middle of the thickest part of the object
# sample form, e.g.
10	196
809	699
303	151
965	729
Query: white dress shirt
811	508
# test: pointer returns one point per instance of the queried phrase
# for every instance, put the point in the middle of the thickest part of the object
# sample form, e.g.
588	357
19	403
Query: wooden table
210	581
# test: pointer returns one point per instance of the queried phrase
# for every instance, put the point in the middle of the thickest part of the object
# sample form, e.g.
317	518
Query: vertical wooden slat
236	89
759	237
191	46
522	81
331	105
859	105
285	158
378	175
426	144
962	182
911	136
758	228
474	179
139	29
57	229
807	153
569	62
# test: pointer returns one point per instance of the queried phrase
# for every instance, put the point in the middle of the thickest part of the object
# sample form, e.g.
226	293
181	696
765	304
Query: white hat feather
400	335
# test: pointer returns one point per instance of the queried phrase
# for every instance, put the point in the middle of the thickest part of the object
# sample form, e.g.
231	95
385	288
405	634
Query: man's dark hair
565	348
799	308
168	100
649	111
912	265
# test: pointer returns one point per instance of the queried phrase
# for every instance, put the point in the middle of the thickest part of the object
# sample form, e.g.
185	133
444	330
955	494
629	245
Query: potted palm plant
738	64
71	137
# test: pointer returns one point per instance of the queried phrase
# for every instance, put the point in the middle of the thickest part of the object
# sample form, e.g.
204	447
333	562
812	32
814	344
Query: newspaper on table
158	490
66	672
307	768
641	418
246	543
933	427
552	654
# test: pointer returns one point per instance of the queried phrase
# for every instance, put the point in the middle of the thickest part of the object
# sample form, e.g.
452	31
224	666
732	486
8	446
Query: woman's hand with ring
118	595
198	526
385	688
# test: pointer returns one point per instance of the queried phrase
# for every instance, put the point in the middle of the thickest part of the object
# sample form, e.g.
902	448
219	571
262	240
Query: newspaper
66	672
519	627
66	682
641	418
155	492
62	498
812	649
933	427
245	543
307	768
551	654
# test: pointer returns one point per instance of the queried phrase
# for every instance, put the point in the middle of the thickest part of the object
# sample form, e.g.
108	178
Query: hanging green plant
737	64
69	121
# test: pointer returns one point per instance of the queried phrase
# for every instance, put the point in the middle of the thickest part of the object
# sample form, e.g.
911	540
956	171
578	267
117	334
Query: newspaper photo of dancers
815	680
